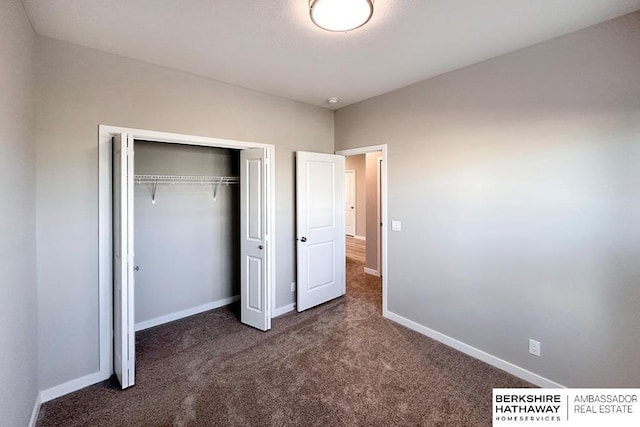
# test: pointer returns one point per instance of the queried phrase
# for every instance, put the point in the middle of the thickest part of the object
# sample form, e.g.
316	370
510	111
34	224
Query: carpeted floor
339	364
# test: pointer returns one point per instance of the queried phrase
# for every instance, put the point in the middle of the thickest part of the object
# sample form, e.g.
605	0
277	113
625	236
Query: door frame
383	213
105	232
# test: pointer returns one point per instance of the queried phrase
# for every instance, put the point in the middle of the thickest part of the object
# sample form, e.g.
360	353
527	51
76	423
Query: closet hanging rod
184	179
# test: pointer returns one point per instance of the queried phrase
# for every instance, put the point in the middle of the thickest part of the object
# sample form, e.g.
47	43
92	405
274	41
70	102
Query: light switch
396	225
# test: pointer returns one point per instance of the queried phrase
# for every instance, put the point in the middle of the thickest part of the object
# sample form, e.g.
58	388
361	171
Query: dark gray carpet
340	364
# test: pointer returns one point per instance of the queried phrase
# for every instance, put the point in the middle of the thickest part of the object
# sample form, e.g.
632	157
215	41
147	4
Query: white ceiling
271	45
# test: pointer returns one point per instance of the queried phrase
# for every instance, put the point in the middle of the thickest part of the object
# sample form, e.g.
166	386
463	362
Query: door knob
136	268
260	247
303	239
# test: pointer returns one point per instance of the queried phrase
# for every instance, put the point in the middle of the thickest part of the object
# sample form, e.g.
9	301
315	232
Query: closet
186	233
199	212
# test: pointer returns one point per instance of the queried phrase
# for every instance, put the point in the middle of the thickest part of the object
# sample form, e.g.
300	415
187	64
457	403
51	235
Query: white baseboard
372	272
79	383
71	386
184	313
36	410
283	310
360	237
474	352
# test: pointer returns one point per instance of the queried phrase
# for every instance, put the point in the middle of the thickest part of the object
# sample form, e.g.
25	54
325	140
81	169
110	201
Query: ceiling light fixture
340	15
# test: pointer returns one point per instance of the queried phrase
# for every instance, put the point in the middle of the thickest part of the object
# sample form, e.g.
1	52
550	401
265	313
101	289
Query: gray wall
186	244
517	183
357	164
373	205
18	301
78	89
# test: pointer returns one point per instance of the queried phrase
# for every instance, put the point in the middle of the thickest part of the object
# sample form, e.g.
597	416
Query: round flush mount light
340	15
333	100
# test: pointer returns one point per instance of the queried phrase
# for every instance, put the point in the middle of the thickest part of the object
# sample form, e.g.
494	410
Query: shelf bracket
153	194
215	190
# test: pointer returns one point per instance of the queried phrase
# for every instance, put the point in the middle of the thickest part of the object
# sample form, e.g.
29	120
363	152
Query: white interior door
320	228
350	202
123	320
254	242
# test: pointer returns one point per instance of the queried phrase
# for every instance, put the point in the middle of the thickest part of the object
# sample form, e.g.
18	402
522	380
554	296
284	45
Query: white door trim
384	212
105	133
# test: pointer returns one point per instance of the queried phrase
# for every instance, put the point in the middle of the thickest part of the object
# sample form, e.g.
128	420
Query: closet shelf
184	179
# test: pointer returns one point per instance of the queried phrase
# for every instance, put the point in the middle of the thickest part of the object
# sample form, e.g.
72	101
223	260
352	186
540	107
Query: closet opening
203	212
186	230
365	213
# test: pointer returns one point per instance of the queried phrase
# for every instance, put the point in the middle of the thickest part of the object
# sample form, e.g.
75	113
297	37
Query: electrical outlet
534	347
293	286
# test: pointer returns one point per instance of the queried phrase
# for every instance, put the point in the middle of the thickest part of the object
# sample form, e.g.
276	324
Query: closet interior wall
186	243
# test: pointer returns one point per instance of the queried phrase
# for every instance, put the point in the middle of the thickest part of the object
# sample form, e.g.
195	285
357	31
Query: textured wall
373	210
79	89
517	184
18	301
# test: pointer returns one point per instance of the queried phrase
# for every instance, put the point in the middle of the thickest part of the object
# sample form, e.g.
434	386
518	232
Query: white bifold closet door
320	214
254	242
123	321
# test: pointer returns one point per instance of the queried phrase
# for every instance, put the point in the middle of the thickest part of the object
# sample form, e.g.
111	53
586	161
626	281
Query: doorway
370	239
256	182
